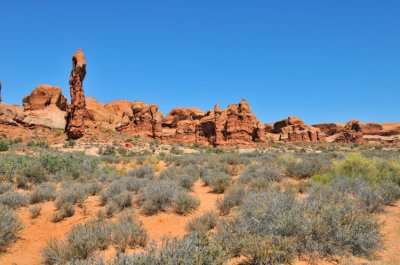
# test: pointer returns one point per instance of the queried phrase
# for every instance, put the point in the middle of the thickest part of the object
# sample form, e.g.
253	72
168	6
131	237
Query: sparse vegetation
9	226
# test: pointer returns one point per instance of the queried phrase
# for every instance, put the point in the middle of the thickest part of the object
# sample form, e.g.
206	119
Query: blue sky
324	61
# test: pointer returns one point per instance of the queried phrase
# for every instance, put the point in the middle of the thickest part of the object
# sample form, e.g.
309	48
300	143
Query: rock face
140	118
294	129
44	96
76	115
234	125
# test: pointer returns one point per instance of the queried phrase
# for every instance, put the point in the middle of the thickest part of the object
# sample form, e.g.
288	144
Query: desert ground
154	203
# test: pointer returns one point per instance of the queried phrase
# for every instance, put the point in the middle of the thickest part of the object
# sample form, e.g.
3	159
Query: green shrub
9	226
4	145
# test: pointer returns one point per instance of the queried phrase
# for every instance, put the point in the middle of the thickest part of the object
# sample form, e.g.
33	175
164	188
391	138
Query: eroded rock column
76	123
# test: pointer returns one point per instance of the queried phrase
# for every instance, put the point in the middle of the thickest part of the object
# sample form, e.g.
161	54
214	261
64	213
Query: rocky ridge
47	107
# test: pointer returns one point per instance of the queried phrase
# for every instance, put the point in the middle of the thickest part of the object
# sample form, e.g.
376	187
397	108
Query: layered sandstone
76	116
293	129
43	96
140	118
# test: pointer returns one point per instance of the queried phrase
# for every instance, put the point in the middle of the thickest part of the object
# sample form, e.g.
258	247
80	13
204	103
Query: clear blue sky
319	60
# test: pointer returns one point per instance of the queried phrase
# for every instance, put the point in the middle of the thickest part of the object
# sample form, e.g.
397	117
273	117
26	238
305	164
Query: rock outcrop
293	129
140	118
44	96
76	115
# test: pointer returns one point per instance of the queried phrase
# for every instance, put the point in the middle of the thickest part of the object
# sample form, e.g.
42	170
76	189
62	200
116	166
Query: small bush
65	210
74	194
233	197
13	199
123	200
55	252
187	181
203	223
4	145
269	172
43	192
192	249
5	187
35	173
184	203
142	172
84	239
9	226
128	232
35	211
158	196
220	183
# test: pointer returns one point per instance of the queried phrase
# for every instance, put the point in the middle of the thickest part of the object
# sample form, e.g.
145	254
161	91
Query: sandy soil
36	233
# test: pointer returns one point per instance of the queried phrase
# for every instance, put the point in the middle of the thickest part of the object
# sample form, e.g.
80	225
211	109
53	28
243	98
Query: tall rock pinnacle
76	116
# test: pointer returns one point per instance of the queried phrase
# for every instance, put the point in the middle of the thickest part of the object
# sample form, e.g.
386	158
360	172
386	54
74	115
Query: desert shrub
308	165
111	208
169	173
4	145
233	197
184	203
133	184
187	181
35	173
35	211
157	196
325	224
128	232
123	200
71	194
260	250
55	252
202	223
65	210
270	172
142	172
5	187
43	192
372	197
22	182
13	199
81	243
192	249
92	188
84	239
355	166
220	183
116	187
9	226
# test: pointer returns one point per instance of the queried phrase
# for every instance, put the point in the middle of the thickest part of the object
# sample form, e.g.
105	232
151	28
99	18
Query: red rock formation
329	128
293	129
352	133
44	96
141	119
76	117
